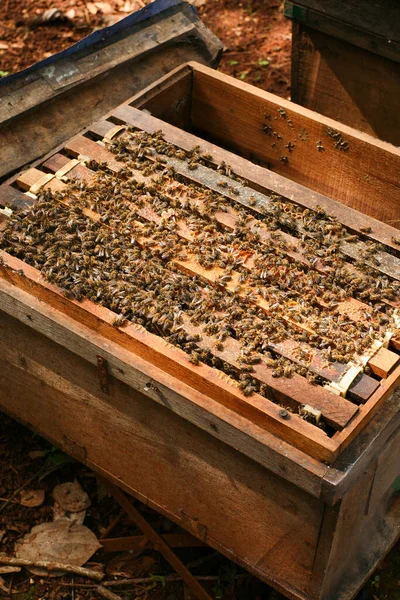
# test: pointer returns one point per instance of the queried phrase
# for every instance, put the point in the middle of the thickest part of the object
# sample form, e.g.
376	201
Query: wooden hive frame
343	414
296	449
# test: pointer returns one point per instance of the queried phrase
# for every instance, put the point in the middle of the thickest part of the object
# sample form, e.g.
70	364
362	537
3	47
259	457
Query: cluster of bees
125	239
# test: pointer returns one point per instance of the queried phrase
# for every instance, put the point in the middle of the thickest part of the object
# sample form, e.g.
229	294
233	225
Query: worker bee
194	358
120	321
119	240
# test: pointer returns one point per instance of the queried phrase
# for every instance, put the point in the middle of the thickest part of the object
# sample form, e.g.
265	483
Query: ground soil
257	44
256	36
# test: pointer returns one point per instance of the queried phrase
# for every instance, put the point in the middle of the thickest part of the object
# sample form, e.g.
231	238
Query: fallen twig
157	541
51	566
102	591
147	580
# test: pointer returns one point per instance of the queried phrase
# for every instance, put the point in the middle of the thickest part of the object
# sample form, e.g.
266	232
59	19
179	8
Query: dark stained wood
61	163
387	388
346	30
354	168
140	542
346	83
362	388
381	17
366	447
361	527
13	198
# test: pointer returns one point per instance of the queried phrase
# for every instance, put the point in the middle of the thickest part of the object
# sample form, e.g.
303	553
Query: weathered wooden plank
316	361
383	261
170	98
138	373
174	361
334	409
379	47
61	93
349	169
366	412
14	198
358	529
148	448
84	148
362	388
258	177
380	17
364	449
62	166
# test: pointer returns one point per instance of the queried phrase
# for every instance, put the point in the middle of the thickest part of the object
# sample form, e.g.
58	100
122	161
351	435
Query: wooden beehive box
296	481
346	62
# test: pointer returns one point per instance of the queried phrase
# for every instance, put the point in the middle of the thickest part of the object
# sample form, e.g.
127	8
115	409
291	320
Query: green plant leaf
218	592
243	75
4	73
396	484
233	62
158	579
263	62
54	461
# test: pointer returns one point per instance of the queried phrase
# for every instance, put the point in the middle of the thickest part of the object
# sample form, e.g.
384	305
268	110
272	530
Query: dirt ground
256	36
257	44
28	462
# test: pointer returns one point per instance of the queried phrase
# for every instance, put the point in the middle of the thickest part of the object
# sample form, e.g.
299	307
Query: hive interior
239	280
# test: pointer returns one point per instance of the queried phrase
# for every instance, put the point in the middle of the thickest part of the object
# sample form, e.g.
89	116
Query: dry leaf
104	7
109	20
32	498
59	541
91	8
37	454
124	565
128	7
70	14
3	532
71	497
3	46
9	569
71	517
